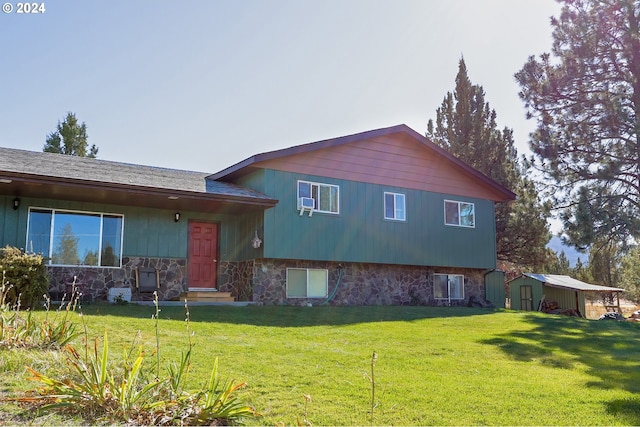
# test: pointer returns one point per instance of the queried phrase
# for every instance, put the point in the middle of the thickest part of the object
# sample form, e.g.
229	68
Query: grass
435	366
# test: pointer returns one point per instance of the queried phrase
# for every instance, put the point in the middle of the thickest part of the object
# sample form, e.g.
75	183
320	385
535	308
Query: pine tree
604	262
466	126
629	275
585	97
557	263
70	138
66	251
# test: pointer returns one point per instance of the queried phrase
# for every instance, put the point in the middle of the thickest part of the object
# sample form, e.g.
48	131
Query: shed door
203	254
526	298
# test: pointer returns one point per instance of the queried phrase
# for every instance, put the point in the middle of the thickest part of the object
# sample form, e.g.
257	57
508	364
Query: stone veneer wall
361	284
264	281
236	277
96	281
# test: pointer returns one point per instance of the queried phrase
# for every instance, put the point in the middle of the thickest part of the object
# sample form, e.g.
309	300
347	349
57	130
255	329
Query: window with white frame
325	196
76	238
394	206
307	283
448	286
461	214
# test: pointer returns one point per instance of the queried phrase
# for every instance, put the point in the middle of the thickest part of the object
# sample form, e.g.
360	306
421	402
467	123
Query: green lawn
435	366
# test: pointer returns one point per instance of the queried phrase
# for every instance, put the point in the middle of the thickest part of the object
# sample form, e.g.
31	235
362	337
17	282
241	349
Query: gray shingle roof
59	166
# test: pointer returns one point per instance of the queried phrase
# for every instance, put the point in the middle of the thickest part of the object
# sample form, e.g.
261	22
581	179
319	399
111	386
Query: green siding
239	232
359	233
254	180
566	298
247	225
13	223
514	292
494	288
147	232
153	233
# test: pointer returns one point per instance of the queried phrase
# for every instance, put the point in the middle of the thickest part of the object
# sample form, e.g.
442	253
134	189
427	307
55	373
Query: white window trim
326	285
395	201
320	184
102	214
448	297
458	202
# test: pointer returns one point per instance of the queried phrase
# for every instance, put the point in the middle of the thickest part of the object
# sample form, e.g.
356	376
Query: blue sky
203	84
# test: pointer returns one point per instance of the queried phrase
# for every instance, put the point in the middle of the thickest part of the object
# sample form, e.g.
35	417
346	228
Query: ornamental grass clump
18	329
132	390
94	390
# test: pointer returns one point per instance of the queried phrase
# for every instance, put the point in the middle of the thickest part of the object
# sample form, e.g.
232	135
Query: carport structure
529	290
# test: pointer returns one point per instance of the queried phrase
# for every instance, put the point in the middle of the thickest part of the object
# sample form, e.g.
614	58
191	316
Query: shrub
26	274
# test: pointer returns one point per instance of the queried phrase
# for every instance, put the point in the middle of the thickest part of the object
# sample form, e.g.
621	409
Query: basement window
76	238
448	286
307	283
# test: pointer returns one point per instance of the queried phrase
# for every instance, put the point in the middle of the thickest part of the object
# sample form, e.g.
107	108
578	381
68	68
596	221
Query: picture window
76	238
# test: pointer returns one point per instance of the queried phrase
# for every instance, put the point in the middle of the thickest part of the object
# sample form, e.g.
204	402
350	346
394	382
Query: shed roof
567	282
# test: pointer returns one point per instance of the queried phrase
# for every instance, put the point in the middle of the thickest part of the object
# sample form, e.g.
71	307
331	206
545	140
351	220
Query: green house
379	217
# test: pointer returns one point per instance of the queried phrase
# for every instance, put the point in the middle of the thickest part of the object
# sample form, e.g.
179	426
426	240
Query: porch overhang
38	186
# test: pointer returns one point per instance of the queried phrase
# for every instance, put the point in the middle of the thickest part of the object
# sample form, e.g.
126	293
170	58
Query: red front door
203	254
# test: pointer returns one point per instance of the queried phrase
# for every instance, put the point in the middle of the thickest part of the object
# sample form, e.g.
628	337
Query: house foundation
94	282
264	281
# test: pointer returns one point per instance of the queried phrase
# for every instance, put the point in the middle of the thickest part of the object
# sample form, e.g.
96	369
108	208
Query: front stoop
201	298
207	296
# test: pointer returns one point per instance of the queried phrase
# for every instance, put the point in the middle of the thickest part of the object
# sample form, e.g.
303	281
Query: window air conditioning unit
306	204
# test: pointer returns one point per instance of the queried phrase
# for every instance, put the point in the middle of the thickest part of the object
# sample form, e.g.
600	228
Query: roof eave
26	185
553	285
605	288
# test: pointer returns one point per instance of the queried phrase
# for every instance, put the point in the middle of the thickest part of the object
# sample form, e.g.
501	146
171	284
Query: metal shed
529	290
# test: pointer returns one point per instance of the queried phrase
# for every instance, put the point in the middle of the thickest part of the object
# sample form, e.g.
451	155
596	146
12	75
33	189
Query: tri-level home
379	217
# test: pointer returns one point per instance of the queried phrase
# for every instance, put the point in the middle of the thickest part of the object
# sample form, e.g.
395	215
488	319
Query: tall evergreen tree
581	272
556	263
70	138
466	126
604	263
629	274
585	97
66	251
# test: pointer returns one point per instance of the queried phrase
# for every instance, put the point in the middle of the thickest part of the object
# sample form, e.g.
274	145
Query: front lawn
435	366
